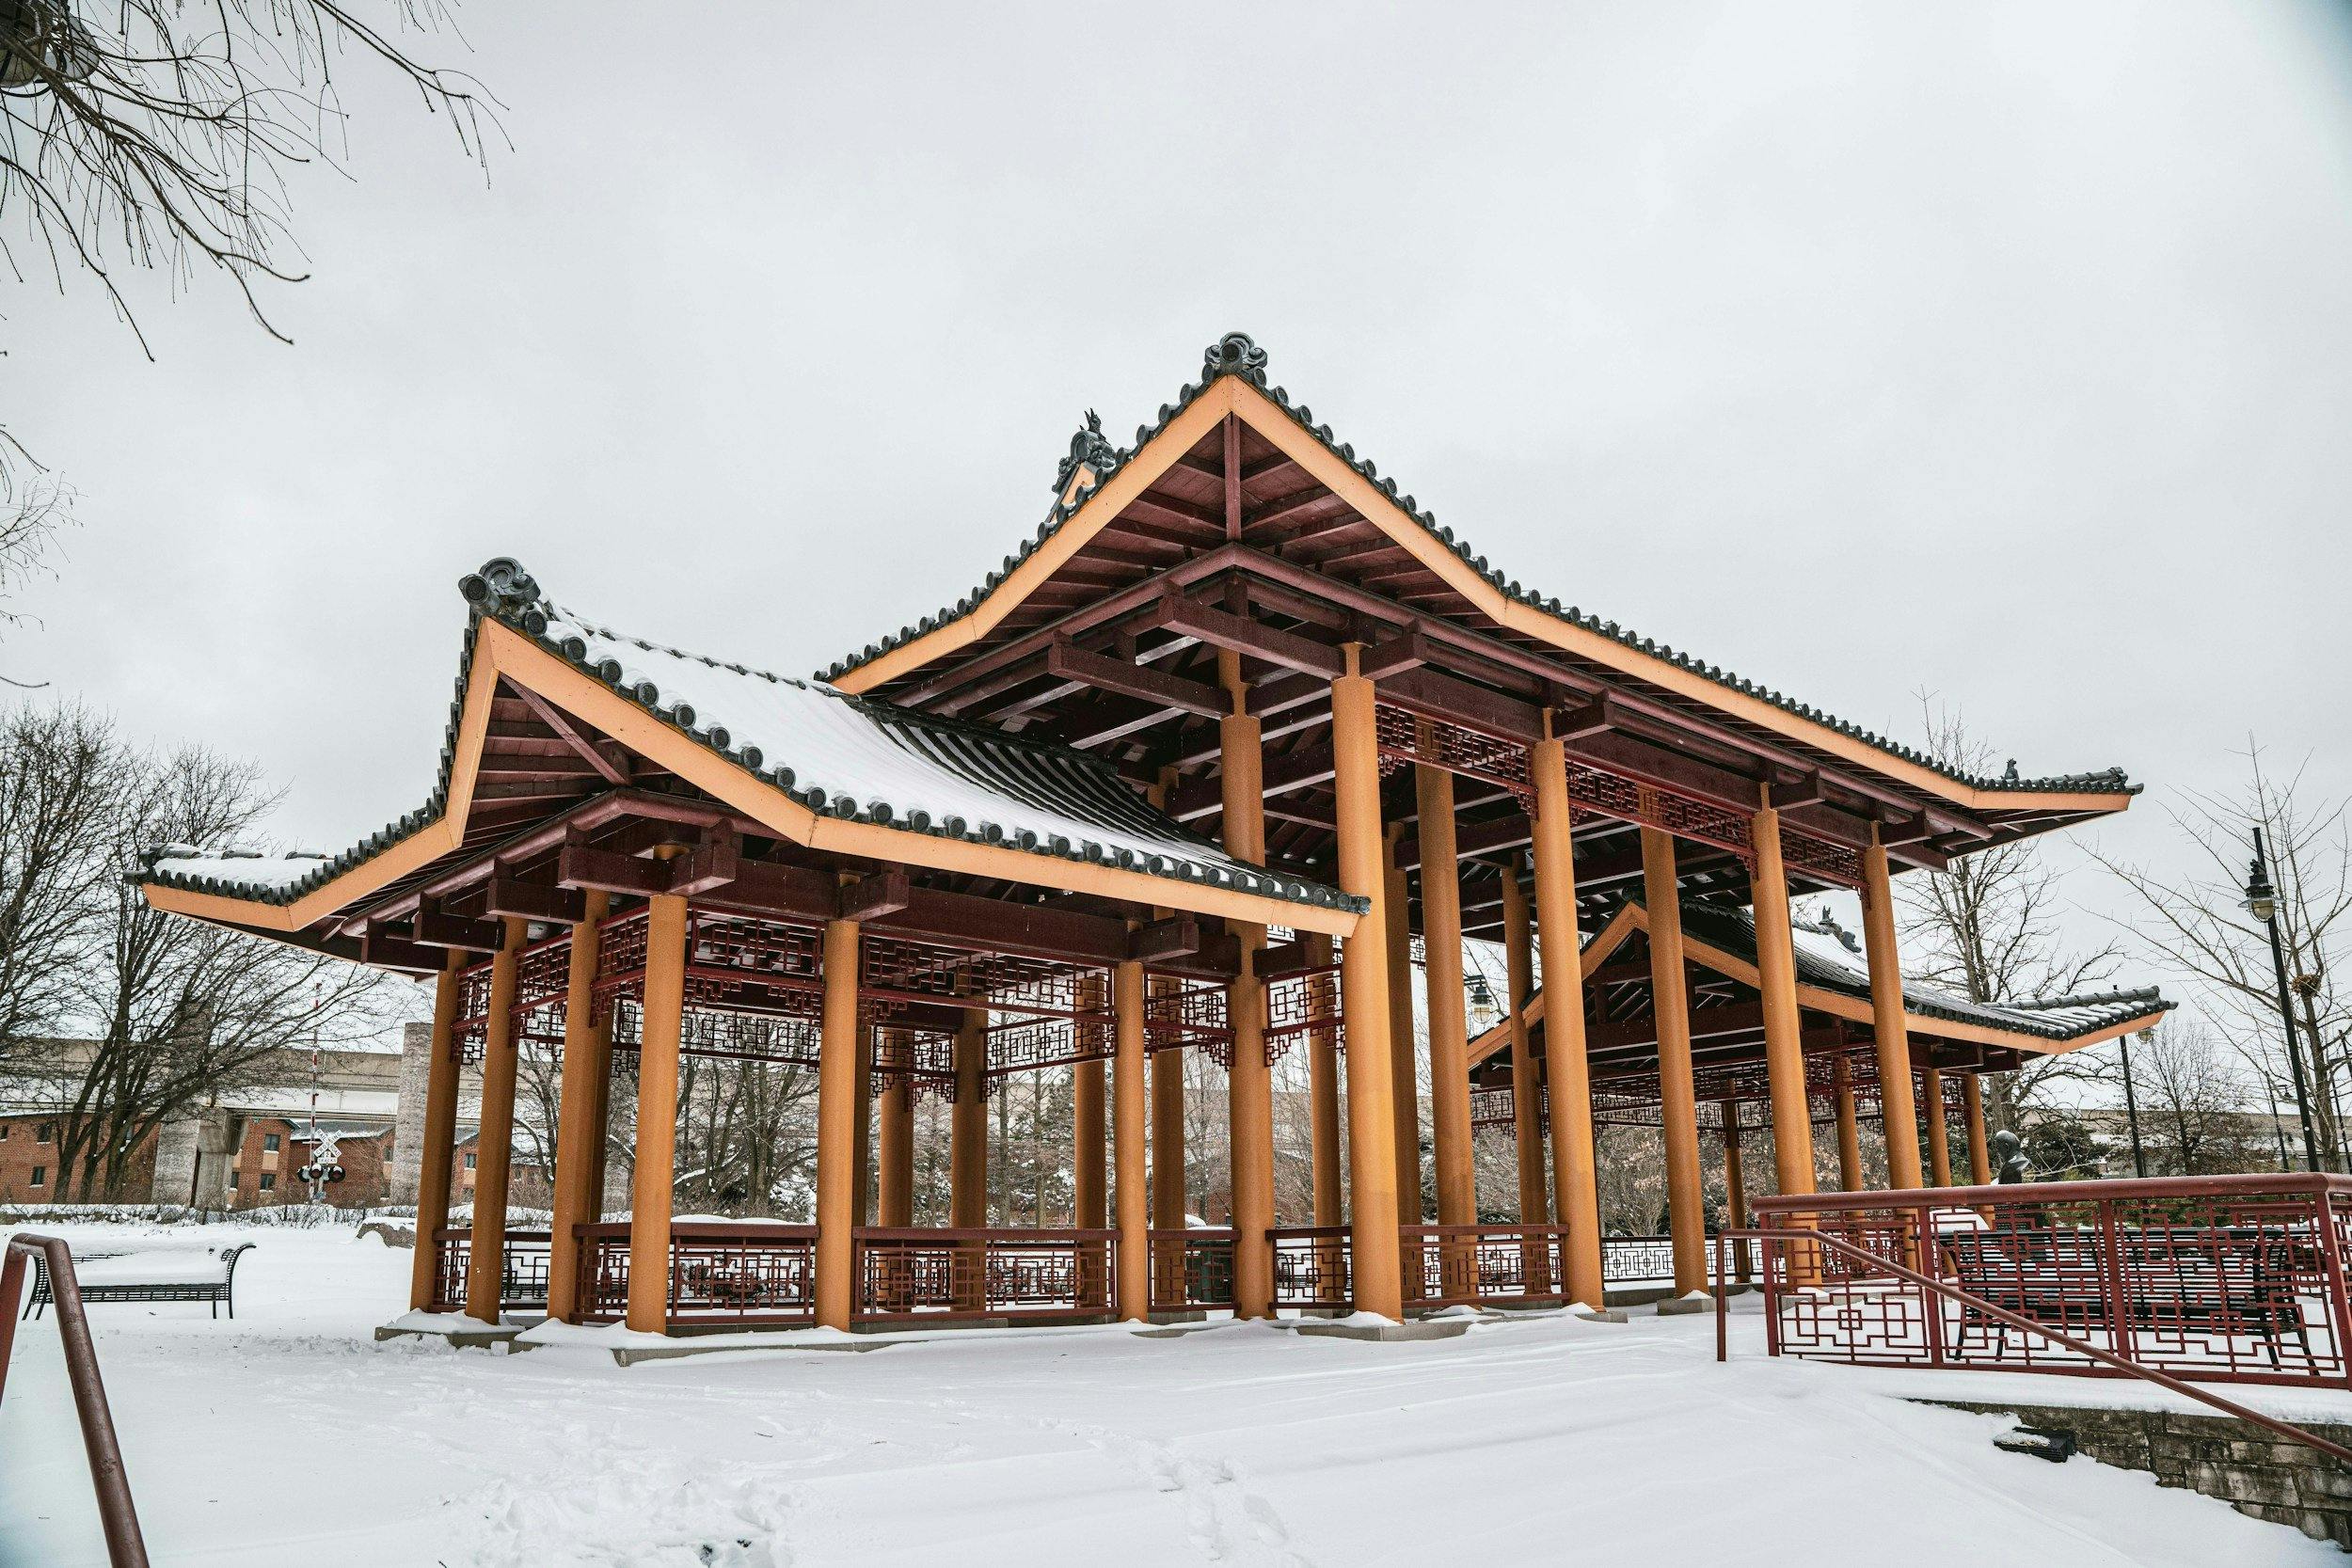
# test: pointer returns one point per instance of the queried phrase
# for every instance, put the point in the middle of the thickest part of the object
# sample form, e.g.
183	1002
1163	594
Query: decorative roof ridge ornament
1092	459
1234	353
504	590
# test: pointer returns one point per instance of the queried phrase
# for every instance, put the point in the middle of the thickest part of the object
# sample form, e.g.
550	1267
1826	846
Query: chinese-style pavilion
1189	771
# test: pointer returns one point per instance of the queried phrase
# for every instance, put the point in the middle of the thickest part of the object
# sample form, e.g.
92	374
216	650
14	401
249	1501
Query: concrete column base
1676	1306
1425	1328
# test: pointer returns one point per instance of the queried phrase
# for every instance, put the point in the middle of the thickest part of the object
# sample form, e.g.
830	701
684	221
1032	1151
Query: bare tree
1986	927
2195	1108
60	801
157	133
182	1010
2197	921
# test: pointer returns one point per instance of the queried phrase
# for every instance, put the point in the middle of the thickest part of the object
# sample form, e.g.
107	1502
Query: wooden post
894	1204
1364	979
1900	1116
1849	1128
967	1130
1677	1093
836	1129
1735	1190
967	1160
1323	1092
861	1183
1783	1036
1249	1083
439	1151
1972	1108
1090	1199
1449	1026
1132	1276
1527	1088
661	1021
1575	1175
486	1267
1404	1050
1939	1131
575	1203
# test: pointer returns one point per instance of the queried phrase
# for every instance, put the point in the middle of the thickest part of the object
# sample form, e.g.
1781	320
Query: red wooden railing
1496	1265
2231	1278
1310	1266
909	1275
721	1275
522	1272
125	1547
1192	1270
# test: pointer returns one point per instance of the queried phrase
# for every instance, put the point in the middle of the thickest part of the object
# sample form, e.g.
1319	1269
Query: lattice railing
522	1272
2233	1279
917	1274
1310	1266
740	1276
1191	1269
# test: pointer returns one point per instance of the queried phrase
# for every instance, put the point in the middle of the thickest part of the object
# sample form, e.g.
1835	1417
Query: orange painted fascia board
420	848
1269	420
1230	394
1095	514
500	649
1611	937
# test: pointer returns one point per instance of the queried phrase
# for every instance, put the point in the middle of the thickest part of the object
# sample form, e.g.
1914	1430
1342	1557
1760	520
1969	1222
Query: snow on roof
1832	958
852	757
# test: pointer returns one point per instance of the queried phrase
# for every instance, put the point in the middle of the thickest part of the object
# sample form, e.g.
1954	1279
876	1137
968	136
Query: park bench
178	1275
2225	1282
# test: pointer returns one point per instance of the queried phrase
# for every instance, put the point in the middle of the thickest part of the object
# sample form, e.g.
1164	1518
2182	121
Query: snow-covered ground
290	1435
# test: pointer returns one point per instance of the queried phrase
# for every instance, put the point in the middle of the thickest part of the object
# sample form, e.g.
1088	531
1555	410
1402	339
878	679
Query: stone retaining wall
2255	1471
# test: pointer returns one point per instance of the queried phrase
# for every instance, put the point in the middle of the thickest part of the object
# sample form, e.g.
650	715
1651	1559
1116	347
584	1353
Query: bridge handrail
125	1547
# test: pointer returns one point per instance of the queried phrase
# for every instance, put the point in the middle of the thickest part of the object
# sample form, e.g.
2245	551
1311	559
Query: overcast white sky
2002	352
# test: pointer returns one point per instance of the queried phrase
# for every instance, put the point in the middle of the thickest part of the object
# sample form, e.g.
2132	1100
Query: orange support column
1776	979
1670	1001
837	1129
1133	1275
662	1019
575	1203
1939	1131
1364	981
1527	1088
440	1131
1449	1026
1323	1093
486	1267
1249	1100
1898	1115
1849	1128
1972	1109
1090	1199
1403	1049
894	1202
967	1128
1575	1175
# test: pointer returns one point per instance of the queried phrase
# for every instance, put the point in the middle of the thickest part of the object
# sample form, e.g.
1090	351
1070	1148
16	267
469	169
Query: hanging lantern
41	42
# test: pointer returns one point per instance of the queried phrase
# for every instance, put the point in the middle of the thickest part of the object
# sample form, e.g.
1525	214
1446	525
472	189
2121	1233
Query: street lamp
2262	902
2131	1110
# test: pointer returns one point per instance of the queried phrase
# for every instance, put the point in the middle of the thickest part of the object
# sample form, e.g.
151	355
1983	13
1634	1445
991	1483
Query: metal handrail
125	1549
1795	1237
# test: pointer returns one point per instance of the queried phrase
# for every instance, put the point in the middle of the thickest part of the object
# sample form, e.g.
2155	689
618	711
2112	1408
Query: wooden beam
1066	662
1385	661
613	769
1163	940
535	902
1222	628
387	951
435	929
884	893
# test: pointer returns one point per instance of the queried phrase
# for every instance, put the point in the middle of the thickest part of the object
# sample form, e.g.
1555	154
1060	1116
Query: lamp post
2262	902
2131	1110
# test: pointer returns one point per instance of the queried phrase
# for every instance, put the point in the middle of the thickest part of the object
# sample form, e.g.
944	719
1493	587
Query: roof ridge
1236	355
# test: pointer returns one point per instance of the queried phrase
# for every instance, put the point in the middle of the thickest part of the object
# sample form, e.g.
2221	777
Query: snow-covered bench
183	1274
